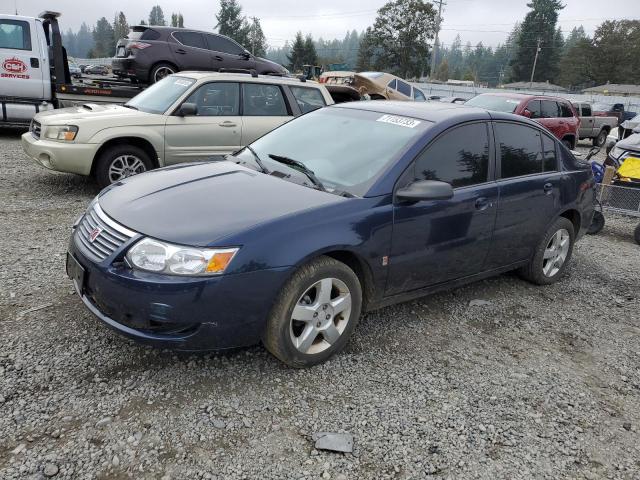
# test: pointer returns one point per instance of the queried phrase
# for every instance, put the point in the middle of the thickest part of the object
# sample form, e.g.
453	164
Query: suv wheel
315	313
161	70
119	162
552	254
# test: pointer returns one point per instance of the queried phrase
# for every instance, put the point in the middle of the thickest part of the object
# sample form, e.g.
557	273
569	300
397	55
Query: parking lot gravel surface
499	379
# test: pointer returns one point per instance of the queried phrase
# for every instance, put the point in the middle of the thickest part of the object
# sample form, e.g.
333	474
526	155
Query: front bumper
62	157
182	313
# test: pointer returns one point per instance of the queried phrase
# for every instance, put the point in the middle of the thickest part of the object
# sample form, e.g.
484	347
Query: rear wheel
601	139
597	224
552	254
315	313
160	71
636	234
119	162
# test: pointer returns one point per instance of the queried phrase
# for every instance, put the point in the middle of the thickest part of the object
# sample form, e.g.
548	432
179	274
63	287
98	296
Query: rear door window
549	109
520	150
308	99
218	43
15	35
459	157
586	110
260	100
404	88
534	107
191	39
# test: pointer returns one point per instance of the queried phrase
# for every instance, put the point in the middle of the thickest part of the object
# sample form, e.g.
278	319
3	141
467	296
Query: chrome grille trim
35	129
112	235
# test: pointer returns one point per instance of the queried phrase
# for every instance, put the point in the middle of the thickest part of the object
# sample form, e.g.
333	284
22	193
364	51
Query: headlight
161	257
616	152
66	133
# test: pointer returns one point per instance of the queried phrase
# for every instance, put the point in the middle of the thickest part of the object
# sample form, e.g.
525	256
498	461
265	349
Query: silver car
185	117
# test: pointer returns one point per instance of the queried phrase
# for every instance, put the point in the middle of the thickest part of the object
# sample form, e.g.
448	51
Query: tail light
138	45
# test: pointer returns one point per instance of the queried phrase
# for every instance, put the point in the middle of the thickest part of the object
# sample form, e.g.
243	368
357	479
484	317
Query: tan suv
185	117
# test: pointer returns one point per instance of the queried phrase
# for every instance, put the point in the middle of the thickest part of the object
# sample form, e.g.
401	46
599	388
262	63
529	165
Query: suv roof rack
251	71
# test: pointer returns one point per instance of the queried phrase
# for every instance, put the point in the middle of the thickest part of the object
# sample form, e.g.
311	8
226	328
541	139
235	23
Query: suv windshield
160	96
369	142
495	103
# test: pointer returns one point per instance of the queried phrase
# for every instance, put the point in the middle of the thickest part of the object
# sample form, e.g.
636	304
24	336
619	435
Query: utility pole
535	61
434	55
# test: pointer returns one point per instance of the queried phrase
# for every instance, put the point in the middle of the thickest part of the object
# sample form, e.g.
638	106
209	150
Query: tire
541	271
601	139
636	234
325	332
567	143
131	159
161	70
597	224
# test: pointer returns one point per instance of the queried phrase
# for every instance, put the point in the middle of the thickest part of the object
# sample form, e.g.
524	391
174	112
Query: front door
216	129
529	182
441	240
21	68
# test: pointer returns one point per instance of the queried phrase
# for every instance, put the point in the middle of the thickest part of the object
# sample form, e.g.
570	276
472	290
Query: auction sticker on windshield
400	121
183	83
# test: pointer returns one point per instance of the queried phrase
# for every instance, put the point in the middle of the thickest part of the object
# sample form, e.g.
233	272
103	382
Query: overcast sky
488	21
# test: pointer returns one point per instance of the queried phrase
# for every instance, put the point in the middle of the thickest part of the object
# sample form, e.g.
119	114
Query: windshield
160	96
494	103
347	149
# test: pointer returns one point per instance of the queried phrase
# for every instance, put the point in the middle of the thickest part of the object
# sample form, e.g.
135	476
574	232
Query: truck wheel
567	143
161	70
601	139
636	234
119	162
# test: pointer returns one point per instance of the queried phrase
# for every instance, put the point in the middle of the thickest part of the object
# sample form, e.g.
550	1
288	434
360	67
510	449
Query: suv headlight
160	257
66	133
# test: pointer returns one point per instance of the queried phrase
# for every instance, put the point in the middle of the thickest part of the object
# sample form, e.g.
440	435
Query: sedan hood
197	204
87	111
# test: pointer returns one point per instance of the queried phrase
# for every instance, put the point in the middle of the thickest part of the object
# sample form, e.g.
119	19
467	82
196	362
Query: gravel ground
538	383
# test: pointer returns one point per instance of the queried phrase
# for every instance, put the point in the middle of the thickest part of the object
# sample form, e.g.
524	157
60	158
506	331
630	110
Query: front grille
35	129
109	236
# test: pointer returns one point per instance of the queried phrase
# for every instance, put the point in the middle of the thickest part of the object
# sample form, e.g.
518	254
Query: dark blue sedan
341	211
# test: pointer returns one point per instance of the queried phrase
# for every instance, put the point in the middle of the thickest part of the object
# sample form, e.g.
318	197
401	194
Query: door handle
548	188
482	204
227	124
181	51
218	57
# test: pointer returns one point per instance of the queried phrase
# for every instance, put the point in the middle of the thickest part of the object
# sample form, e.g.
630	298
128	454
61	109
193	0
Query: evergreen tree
442	72
177	20
231	22
120	26
616	50
256	41
296	56
366	52
180	21
104	40
310	54
84	41
538	28
156	16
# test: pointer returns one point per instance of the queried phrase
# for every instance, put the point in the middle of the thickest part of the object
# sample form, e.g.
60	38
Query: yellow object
219	262
630	168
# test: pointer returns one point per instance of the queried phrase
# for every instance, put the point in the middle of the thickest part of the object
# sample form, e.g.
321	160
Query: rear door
21	62
529	183
263	108
216	129
225	53
440	240
190	50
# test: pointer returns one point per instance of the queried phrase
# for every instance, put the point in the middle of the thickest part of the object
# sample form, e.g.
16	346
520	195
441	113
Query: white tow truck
34	72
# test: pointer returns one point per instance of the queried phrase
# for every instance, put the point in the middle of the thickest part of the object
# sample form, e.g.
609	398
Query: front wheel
119	162
315	313
552	254
568	143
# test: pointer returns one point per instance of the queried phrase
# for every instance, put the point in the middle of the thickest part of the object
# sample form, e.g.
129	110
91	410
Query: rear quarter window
15	35
191	39
308	99
150	34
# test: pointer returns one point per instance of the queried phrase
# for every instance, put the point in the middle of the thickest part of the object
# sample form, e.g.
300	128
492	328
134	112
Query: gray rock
336	442
50	469
479	303
103	422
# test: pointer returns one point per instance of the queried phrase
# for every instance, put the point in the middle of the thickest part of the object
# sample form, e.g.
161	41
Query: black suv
148	54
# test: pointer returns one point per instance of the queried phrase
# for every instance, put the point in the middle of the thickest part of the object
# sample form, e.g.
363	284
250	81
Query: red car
556	114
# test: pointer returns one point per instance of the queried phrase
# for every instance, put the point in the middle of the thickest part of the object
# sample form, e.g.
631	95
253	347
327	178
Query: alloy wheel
162	72
320	316
125	166
556	252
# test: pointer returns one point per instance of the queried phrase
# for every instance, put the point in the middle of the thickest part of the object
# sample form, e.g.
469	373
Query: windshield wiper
256	157
126	105
299	166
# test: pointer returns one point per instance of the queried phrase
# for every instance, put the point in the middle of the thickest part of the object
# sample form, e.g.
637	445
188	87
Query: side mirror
246	55
425	190
527	113
188	110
